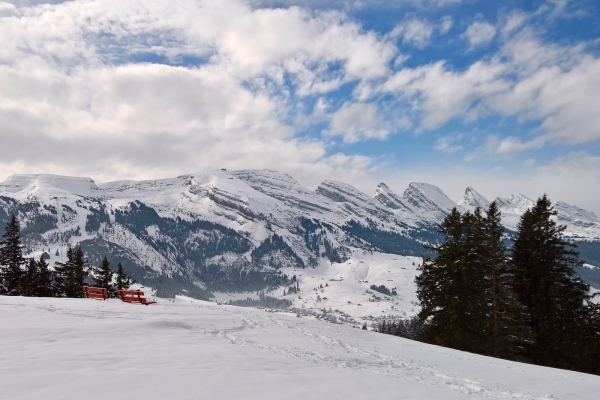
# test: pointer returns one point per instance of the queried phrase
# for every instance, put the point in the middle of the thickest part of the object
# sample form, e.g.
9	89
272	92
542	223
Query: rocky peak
472	199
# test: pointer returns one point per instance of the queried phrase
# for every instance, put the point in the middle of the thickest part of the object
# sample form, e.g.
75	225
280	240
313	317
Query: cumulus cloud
527	79
357	121
479	33
415	32
75	100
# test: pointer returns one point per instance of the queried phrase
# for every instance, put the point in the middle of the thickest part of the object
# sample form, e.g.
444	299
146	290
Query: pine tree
547	285
29	285
450	286
11	259
71	274
123	281
43	279
507	331
104	276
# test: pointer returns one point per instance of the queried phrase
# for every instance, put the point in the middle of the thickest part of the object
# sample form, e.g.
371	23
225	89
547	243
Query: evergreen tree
450	287
123	281
29	284
71	274
43	279
547	285
508	334
103	276
11	259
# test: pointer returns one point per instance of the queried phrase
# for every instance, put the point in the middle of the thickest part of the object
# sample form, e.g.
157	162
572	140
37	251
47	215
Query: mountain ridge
235	230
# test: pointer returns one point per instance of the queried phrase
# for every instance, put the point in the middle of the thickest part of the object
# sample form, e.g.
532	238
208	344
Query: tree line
29	277
523	303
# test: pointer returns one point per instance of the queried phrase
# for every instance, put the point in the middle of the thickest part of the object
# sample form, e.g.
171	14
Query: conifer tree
29	285
71	274
547	285
11	259
122	281
450	287
508	334
104	275
43	279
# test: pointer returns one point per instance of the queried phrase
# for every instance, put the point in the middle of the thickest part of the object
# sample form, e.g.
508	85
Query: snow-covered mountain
472	200
240	230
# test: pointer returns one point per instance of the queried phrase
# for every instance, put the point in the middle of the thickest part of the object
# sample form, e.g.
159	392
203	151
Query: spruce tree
547	285
30	287
508	333
450	286
11	259
62	274
71	274
122	281
103	276
43	279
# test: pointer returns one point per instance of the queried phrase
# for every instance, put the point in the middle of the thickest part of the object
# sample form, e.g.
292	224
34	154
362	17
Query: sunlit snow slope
63	349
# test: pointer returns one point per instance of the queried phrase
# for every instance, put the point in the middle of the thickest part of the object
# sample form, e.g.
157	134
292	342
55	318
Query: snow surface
346	287
62	349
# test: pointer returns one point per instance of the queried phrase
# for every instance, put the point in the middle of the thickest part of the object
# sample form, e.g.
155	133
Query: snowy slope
181	227
63	349
472	200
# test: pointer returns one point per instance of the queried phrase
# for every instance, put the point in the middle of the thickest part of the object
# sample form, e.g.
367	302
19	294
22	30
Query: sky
500	96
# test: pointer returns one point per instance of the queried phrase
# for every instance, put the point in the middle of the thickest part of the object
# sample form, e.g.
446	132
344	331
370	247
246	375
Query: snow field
81	348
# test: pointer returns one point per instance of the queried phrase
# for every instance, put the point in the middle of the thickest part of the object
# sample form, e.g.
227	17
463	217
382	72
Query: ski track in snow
303	340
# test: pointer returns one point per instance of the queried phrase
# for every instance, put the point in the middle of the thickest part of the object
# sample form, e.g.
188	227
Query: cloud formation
72	86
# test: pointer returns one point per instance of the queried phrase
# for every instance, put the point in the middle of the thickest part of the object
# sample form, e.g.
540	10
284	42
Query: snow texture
63	349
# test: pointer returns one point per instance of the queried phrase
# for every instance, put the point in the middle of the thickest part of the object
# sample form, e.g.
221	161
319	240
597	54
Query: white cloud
512	144
447	144
358	121
528	79
415	32
479	33
438	94
446	23
513	22
74	101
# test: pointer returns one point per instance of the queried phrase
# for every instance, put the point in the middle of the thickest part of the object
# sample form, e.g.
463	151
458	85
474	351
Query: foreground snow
185	349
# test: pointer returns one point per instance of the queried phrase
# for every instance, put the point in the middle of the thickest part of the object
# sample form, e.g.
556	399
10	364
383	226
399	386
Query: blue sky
501	96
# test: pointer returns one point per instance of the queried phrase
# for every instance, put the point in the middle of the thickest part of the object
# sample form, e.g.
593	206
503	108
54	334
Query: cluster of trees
30	277
410	328
384	290
525	303
262	301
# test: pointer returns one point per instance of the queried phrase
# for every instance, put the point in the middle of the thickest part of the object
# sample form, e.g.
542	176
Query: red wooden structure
95	293
133	296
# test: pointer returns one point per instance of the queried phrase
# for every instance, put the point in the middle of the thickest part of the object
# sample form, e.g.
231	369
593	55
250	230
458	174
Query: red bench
95	293
133	296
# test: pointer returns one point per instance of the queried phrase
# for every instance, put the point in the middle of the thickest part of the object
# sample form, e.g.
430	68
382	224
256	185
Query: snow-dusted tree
11	259
123	281
103	276
29	279
43	279
70	275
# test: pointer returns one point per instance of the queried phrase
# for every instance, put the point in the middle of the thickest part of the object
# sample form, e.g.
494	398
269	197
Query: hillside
185	349
243	231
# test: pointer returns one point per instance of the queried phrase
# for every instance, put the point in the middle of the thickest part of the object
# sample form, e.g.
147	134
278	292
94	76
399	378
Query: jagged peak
473	199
